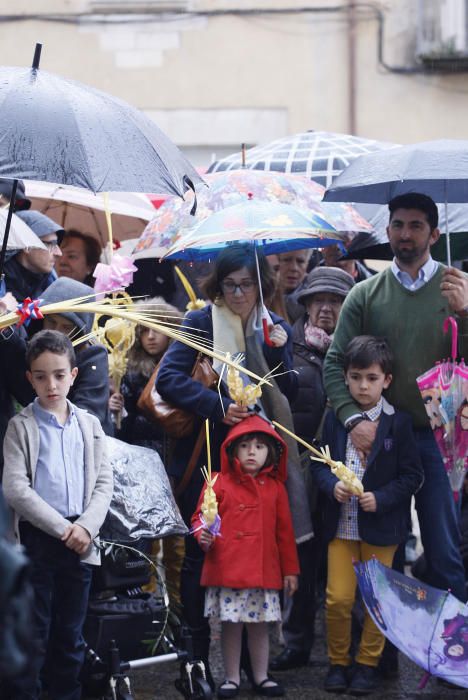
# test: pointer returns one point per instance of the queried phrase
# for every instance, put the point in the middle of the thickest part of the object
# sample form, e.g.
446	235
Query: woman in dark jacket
232	324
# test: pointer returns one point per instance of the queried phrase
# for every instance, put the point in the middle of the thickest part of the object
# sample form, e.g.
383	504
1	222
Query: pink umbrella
444	390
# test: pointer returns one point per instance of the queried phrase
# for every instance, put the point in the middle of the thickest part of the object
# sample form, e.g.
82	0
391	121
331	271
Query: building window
443	28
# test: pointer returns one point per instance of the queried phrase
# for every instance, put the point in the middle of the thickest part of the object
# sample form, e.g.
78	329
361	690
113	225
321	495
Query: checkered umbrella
320	155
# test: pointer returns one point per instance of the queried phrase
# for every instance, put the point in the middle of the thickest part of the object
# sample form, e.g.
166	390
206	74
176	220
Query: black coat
393	473
310	402
23	283
136	428
91	387
13	382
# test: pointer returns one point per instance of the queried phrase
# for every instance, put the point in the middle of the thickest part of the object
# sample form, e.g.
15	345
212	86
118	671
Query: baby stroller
127	628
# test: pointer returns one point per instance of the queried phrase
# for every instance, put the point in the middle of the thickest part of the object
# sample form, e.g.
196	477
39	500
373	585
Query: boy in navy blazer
372	524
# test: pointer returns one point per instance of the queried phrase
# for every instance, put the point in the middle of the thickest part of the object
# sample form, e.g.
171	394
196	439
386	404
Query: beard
409	254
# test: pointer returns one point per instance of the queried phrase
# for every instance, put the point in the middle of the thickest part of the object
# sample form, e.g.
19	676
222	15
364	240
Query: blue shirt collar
424	273
48	417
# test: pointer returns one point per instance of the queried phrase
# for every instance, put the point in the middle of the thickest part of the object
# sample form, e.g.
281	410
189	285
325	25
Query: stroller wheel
122	690
201	690
193	684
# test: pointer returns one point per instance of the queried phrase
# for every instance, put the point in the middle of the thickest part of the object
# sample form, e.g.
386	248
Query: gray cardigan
21	451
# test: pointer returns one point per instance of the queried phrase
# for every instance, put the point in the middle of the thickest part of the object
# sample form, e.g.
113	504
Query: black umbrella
375	245
382	251
61	131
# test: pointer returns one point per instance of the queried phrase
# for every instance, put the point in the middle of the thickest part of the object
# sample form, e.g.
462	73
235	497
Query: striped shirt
348	522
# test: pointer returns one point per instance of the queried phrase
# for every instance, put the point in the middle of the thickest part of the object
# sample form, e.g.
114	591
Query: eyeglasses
51	245
245	287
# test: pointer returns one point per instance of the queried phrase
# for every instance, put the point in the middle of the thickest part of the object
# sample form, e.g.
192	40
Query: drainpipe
351	67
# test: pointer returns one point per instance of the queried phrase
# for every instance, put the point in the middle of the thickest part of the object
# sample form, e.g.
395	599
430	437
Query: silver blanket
143	505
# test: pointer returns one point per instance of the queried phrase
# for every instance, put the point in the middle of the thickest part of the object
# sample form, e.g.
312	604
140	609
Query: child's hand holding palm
368	502
341	492
206	540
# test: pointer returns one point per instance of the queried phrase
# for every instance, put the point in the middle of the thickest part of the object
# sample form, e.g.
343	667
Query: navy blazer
176	386
394	473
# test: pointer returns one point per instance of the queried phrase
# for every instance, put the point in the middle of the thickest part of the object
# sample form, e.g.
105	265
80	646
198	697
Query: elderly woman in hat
312	336
322	299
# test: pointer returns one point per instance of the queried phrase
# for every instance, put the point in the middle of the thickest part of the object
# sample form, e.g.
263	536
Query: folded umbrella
444	390
428	625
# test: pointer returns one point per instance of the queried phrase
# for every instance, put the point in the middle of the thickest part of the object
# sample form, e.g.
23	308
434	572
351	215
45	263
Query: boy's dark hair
232	258
365	350
274	449
414	200
50	341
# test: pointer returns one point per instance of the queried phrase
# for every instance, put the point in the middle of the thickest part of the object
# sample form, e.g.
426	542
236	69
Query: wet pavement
300	683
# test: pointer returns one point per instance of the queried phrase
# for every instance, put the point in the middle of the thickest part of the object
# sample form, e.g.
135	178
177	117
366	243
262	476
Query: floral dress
243	604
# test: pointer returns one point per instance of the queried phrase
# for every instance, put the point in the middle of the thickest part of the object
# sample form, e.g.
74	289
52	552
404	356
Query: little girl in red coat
255	555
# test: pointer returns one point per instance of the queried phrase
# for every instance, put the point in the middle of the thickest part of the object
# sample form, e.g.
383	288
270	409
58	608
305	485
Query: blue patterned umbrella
275	228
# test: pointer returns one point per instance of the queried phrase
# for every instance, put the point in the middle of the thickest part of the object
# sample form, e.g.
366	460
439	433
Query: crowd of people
344	348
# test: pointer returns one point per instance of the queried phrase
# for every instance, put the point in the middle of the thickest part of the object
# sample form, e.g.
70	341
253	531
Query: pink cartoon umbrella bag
444	390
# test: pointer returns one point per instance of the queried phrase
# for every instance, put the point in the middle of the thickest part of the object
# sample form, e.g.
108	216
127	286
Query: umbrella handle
6	233
266	334
189	185
423	682
451	321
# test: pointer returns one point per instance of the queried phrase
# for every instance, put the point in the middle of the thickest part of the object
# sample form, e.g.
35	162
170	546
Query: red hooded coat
257	547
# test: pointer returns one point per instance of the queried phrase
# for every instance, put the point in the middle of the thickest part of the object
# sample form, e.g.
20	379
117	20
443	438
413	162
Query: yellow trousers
341	592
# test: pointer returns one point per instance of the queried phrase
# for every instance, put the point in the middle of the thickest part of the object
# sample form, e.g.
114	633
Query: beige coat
21	452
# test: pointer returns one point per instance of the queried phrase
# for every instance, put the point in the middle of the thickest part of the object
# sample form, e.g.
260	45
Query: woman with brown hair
233	324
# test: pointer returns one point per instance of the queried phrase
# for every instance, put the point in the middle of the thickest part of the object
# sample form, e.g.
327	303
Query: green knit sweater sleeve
350	324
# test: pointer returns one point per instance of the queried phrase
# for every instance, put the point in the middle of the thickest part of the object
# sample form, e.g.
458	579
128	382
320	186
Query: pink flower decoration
117	275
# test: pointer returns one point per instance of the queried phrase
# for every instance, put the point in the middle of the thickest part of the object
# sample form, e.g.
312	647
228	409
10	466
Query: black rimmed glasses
230	287
51	245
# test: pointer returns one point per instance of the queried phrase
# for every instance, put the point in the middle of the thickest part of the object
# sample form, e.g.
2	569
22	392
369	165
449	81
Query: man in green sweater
407	303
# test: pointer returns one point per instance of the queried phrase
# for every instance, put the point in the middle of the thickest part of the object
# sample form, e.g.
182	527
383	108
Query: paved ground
300	684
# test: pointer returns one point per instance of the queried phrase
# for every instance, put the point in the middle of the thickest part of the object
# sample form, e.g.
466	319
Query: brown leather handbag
176	422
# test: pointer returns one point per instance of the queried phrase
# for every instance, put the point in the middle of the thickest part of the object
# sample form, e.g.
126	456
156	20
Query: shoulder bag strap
182	485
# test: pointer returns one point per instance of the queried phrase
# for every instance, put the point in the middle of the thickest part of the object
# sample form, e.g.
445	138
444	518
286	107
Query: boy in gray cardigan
58	482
